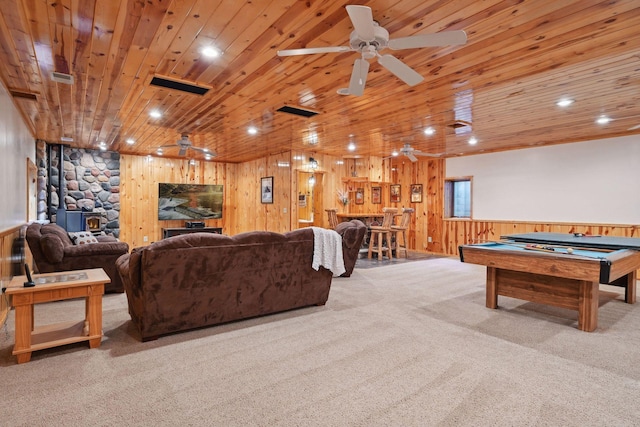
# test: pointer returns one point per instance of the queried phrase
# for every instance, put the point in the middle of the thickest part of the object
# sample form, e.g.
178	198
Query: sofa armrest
105	238
100	248
52	248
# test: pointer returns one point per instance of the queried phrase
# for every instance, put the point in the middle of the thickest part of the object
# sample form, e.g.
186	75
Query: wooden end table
87	284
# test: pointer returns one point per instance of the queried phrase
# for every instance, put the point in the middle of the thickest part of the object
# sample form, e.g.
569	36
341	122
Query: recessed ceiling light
395	153
159	151
429	131
155	114
473	140
603	120
351	146
252	130
130	141
564	102
210	52
339	162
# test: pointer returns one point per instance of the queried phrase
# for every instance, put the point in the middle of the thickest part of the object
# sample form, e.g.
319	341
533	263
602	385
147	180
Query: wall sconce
313	163
312	180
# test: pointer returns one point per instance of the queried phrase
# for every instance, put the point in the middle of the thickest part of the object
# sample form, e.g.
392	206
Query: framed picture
416	193
376	195
395	193
266	189
359	196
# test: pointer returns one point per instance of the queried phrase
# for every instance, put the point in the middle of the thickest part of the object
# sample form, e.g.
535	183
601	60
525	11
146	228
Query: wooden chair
380	240
401	229
333	217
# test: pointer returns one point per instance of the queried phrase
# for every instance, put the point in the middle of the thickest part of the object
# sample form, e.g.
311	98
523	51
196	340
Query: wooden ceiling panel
521	56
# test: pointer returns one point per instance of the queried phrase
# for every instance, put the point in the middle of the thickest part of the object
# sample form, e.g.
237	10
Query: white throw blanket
327	251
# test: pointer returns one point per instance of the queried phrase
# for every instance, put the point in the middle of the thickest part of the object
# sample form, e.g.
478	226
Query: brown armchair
352	233
53	250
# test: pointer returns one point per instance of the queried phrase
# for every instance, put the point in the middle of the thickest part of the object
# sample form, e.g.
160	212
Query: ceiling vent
16	93
179	85
63	78
297	111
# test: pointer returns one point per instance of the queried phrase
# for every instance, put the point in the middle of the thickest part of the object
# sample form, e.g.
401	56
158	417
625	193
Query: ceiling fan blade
411	157
634	127
362	19
422	153
444	38
204	150
183	151
400	69
358	77
313	50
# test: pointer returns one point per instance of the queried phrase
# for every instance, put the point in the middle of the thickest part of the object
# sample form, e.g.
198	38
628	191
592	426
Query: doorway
309	201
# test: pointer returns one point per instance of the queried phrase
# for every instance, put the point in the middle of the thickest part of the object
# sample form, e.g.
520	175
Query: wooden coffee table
87	284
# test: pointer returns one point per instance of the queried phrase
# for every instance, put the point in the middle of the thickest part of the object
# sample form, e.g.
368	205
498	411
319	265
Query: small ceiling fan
369	38
408	151
184	143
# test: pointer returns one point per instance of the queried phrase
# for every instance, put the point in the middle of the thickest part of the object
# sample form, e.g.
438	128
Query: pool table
558	278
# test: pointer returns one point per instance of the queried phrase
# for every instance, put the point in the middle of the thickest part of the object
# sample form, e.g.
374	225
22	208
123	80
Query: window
457	198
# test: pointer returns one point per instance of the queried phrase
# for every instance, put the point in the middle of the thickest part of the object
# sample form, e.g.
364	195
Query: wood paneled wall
139	179
425	230
242	207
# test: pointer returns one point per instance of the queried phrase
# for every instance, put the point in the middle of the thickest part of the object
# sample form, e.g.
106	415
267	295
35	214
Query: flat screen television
189	201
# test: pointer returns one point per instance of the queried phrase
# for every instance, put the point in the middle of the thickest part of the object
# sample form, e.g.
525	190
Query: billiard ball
569	250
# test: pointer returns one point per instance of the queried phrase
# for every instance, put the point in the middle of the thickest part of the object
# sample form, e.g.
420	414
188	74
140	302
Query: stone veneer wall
92	181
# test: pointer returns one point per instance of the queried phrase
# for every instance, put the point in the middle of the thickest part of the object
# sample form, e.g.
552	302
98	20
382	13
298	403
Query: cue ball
569	250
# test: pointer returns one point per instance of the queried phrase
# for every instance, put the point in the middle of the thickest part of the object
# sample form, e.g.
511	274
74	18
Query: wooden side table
87	284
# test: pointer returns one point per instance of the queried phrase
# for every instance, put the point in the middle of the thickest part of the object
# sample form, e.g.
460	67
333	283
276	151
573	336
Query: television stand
170	232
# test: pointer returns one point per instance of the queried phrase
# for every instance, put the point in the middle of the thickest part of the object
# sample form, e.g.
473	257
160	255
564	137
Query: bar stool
402	228
381	233
333	217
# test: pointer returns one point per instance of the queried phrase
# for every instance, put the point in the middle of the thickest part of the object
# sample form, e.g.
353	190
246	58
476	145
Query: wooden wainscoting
458	232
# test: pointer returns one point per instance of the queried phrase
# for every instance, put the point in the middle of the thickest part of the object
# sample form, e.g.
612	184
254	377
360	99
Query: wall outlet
430	239
284	210
145	239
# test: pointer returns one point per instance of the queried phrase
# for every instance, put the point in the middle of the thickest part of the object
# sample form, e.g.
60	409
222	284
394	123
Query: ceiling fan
411	153
369	38
185	144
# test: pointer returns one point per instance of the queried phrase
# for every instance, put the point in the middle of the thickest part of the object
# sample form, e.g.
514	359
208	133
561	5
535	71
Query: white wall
585	182
16	145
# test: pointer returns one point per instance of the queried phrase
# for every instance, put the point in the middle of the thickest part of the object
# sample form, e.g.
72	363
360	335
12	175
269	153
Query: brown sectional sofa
204	279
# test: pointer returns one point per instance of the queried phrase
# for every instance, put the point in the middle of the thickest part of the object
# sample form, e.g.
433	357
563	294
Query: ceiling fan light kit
369	38
184	143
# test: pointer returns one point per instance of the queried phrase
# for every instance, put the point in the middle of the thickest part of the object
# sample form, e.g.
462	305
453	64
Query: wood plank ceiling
520	58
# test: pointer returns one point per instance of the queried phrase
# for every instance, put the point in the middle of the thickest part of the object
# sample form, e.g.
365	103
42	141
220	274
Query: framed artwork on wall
395	193
376	195
416	193
266	189
359	196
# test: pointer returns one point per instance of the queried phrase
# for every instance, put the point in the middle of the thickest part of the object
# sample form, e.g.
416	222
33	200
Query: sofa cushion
82	237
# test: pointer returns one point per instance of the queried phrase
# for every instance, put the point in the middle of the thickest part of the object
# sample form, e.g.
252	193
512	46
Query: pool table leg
492	287
630	288
588	300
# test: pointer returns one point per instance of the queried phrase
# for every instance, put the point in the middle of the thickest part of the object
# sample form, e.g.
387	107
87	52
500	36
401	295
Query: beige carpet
404	345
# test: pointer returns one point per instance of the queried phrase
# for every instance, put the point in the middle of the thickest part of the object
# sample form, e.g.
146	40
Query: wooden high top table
87	284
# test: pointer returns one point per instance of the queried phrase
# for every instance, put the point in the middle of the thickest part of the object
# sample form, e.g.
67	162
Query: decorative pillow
82	238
